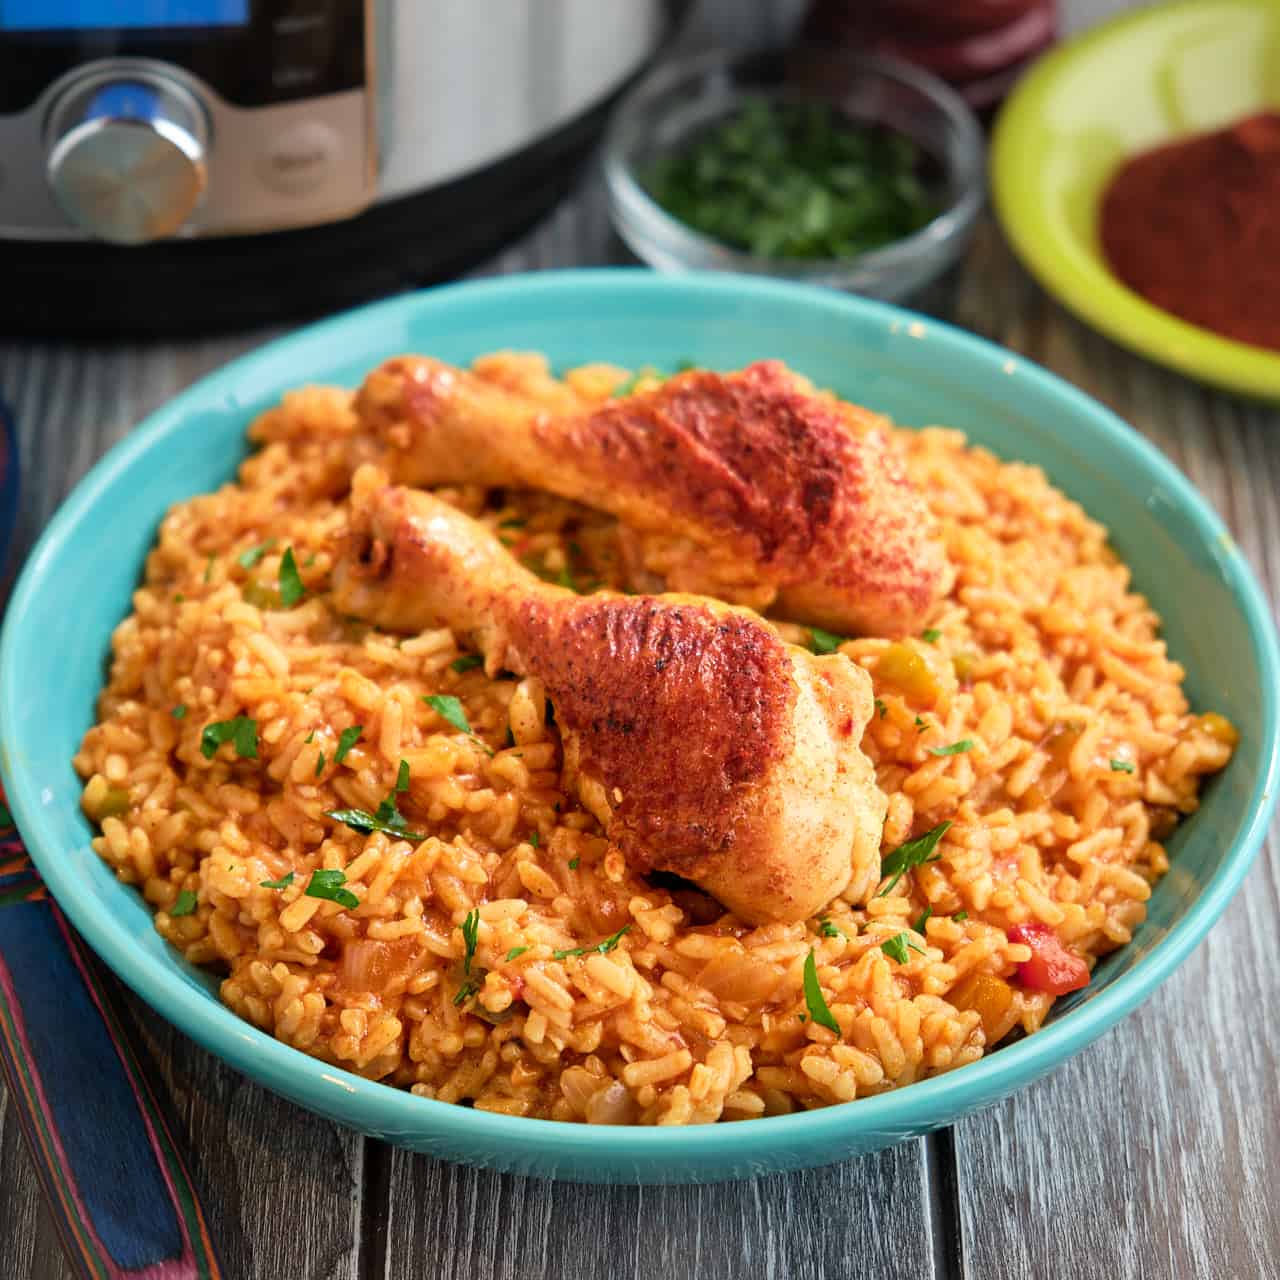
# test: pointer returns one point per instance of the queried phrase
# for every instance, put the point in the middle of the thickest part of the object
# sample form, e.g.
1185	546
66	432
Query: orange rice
1041	658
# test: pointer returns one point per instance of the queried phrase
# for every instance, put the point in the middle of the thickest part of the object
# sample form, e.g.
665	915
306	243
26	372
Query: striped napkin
107	1156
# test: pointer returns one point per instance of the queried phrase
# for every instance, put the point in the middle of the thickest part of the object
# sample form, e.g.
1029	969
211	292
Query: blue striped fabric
94	1108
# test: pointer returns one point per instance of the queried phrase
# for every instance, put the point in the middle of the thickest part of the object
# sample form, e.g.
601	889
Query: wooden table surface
1154	1153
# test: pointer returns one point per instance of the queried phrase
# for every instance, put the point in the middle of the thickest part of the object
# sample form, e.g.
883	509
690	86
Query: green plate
1125	86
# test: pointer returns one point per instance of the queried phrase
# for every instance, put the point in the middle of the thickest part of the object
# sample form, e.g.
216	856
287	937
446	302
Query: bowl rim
379	1108
1091	291
632	202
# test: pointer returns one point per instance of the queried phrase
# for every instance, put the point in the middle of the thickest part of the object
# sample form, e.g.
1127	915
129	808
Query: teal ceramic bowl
77	584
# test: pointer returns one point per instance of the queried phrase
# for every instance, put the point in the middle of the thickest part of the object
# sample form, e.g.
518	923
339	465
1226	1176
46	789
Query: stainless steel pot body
268	115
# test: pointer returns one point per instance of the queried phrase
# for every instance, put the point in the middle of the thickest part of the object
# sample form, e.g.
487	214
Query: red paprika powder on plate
1194	227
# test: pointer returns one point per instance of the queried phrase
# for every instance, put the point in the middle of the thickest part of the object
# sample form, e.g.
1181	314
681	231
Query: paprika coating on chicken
747	486
770	806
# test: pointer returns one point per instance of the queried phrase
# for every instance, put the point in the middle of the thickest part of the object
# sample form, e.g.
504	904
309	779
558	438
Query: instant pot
181	166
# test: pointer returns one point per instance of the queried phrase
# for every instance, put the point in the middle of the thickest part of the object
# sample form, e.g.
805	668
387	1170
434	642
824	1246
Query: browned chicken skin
746	486
705	745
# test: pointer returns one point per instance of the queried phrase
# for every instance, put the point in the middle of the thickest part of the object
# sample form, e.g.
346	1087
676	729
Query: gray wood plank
260	1159
31	1244
284	1187
1152	1153
861	1218
71	404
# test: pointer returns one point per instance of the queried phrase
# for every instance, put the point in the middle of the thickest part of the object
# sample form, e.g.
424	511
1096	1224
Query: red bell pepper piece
1052	967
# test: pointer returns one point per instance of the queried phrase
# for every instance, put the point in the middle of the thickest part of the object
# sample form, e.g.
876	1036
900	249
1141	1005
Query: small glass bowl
684	97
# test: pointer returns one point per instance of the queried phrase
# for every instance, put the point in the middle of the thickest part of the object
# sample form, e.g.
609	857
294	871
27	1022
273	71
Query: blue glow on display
77	15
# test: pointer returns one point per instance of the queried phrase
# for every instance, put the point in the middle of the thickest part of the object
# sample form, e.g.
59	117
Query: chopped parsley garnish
449	708
283	883
319	764
814	1000
346	740
310	738
794	180
364	822
179	712
469	988
6	818
881	708
914	853
828	930
896	948
250	559
920	724
535	839
468	662
960	917
388	818
179	598
242	732
511	524
1121	766
602	947
922	920
825	641
573	863
208	569
328	885
516	951
291	588
931	635
953	749
470	936
184	905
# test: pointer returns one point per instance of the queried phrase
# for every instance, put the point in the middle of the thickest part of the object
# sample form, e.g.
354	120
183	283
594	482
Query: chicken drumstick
745	486
705	745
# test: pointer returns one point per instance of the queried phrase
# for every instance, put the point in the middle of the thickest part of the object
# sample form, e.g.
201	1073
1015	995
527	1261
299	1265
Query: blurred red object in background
977	46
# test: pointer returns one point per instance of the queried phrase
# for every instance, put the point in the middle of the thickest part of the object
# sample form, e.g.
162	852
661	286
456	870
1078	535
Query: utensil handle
109	1162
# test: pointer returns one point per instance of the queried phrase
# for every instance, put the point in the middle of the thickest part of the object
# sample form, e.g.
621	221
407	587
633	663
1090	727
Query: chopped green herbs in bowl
850	171
795	180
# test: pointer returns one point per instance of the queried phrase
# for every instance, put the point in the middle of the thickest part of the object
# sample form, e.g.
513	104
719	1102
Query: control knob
126	156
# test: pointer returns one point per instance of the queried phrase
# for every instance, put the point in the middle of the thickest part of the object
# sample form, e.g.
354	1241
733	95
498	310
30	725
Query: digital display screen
81	15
